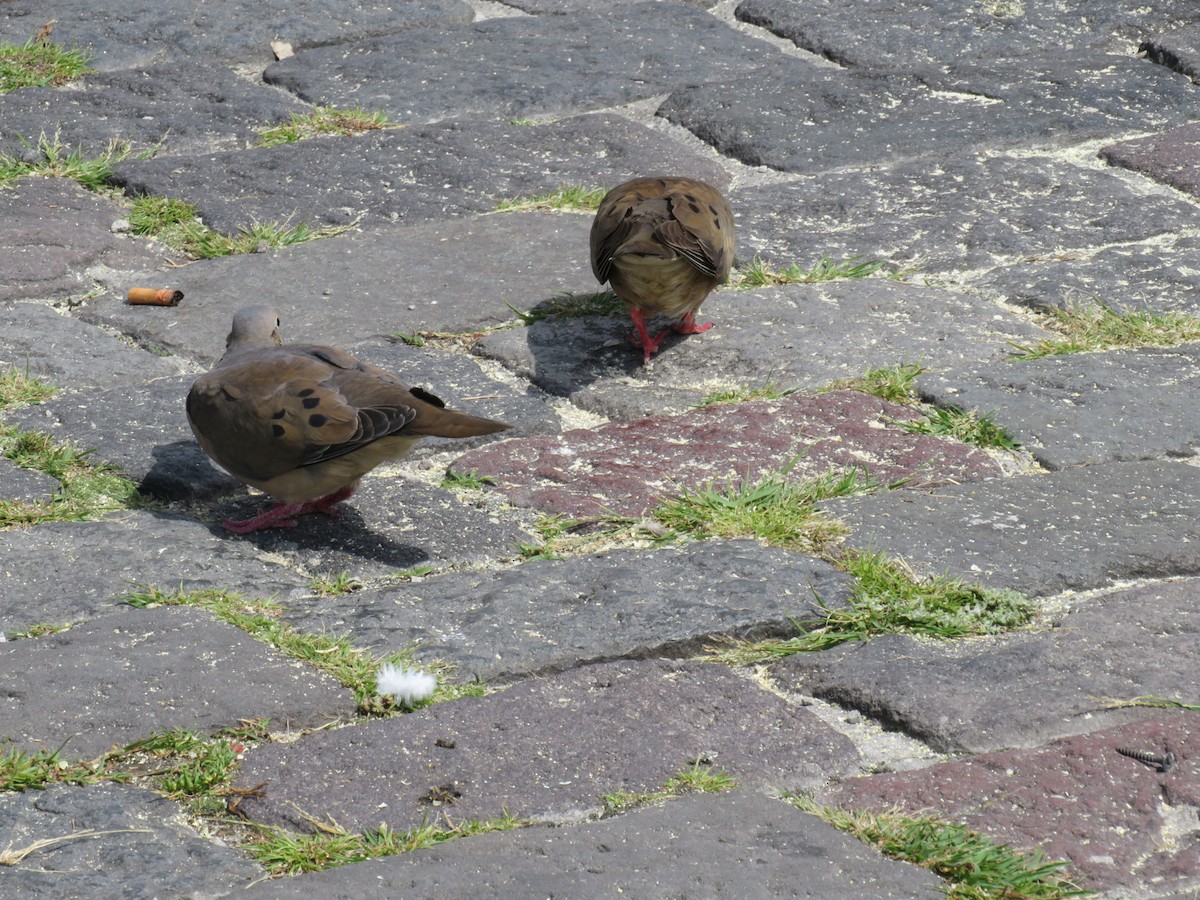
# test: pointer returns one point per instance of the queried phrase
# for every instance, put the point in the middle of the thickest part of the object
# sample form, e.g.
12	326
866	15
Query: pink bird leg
283	515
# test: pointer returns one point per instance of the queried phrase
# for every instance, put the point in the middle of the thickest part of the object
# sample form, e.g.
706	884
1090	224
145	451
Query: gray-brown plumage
304	423
662	244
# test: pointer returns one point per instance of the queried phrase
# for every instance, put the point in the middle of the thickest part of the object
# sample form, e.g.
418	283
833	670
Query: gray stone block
518	66
136	672
456	275
53	233
25	485
1086	408
181	106
793	337
961	213
71	571
1178	49
417	174
113	840
141	32
545	749
1041	534
1170	157
1019	690
729	846
67	353
808	118
548	616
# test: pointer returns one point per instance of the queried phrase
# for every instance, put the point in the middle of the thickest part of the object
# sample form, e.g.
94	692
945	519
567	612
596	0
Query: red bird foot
687	325
283	515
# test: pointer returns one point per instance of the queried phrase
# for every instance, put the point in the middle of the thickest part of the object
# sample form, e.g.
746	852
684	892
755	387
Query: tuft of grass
413	340
467	481
887	598
19	388
893	384
175	223
335	584
86	489
20	770
698	778
53	160
41	629
780	512
1099	327
1150	700
323	120
285	853
968	427
757	273
769	391
976	867
572	198
351	667
38	63
569	305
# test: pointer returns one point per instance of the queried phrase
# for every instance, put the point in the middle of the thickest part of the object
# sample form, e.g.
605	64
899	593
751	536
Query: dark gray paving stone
1178	49
546	749
138	671
548	616
627	468
71	571
561	7
793	336
527	65
809	118
390	523
907	34
728	846
25	485
1086	408
1041	534
53	232
1019	690
1170	157
413	175
1163	277
182	106
145	848
957	214
145	31
65	352
456	275
1120	823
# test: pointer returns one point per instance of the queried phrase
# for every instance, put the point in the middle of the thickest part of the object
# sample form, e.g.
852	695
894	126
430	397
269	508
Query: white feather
407	686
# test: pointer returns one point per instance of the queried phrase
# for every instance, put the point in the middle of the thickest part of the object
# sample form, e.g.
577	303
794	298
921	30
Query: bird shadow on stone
181	472
341	542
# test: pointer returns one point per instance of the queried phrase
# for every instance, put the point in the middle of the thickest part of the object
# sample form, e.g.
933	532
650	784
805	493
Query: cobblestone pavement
1003	160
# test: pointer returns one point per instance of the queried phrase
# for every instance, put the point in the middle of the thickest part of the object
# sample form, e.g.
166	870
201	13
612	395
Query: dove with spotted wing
304	422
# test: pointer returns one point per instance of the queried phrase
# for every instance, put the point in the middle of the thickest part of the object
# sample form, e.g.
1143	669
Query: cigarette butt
152	297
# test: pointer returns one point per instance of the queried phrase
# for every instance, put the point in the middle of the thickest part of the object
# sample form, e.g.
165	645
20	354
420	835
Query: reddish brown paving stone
1172	157
1120	823
626	468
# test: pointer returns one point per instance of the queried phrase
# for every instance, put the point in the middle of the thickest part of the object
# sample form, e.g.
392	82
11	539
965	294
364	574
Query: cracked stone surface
632	725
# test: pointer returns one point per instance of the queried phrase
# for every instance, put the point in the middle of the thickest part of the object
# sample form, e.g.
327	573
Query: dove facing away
304	423
662	244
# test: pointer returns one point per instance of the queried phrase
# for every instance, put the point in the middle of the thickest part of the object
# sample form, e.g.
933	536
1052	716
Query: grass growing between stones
780	512
572	198
976	867
85	489
38	63
285	853
466	481
1099	327
573	305
697	779
893	383
351	667
562	536
757	273
50	158
335	584
324	120
175	223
